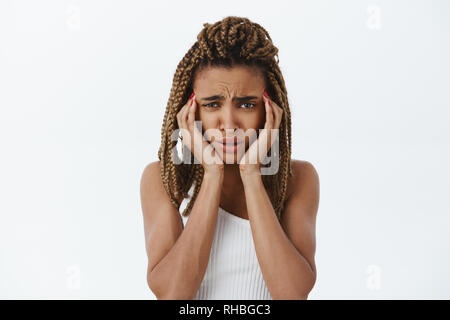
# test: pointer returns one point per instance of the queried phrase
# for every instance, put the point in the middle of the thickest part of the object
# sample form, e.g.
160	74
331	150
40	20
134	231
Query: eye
209	105
252	105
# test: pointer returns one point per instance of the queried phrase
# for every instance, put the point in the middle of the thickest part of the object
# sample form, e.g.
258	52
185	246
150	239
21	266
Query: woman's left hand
251	161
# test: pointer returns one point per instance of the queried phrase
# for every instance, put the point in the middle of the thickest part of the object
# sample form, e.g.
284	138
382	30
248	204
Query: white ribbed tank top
233	270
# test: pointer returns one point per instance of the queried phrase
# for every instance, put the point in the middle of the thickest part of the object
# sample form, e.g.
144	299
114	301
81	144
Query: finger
210	156
191	123
278	108
269	115
186	110
183	124
180	116
188	123
198	143
278	115
203	149
272	118
191	114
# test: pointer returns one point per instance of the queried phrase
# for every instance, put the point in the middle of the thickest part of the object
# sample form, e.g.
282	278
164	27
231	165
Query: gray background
83	89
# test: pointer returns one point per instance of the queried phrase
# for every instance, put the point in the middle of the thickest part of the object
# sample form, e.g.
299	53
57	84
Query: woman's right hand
193	139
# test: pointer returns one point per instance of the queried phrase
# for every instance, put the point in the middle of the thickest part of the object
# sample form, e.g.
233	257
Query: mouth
231	141
230	146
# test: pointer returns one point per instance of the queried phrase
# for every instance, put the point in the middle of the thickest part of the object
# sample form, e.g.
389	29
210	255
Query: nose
228	119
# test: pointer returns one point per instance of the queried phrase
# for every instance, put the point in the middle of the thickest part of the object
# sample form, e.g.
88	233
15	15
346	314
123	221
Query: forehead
237	78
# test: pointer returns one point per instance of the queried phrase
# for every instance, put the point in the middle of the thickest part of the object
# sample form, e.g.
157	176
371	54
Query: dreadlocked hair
226	43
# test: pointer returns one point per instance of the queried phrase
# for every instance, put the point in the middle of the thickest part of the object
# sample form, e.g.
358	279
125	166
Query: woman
242	234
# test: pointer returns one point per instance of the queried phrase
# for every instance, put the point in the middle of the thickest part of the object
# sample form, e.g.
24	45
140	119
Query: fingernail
265	93
192	94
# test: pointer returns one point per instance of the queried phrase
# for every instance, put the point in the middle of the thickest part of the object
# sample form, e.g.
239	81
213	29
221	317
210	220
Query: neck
233	187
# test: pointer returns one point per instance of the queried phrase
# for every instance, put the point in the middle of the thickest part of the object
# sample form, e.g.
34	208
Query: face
230	103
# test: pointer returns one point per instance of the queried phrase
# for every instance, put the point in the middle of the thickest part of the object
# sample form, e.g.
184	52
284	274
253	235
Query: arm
286	258
178	258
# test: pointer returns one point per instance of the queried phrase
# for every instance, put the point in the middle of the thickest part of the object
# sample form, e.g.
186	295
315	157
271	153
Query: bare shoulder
151	182
151	177
303	173
151	170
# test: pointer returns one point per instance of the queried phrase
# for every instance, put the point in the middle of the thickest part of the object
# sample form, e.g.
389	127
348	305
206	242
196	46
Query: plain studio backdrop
83	90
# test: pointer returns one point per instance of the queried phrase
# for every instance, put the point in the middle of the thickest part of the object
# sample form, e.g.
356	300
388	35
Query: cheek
201	116
255	120
207	121
260	120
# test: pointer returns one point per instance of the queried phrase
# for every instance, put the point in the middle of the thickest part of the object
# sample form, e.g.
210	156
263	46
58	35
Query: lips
230	141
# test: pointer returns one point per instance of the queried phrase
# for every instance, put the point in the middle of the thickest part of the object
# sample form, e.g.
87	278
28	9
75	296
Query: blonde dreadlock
232	41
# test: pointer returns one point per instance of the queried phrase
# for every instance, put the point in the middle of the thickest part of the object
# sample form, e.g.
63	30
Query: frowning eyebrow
217	97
